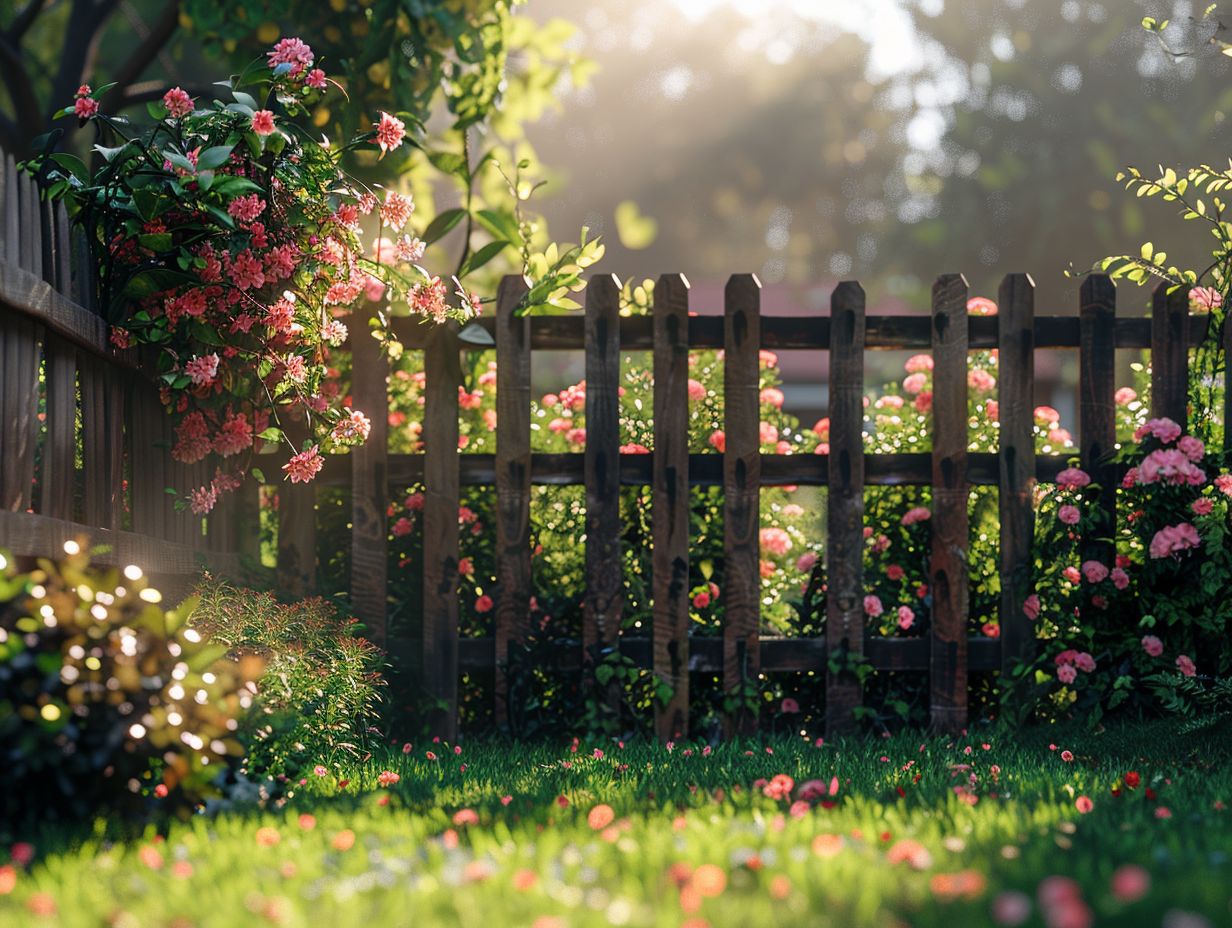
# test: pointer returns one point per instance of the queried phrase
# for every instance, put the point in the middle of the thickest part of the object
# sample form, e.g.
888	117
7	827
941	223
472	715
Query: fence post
603	608
845	502
19	353
442	377
742	492
1016	457
1170	354
370	484
102	442
1097	407
513	468
297	528
670	502
948	564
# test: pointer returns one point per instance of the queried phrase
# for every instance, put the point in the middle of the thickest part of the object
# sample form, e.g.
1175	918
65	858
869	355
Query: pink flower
292	51
775	540
1165	430
304	466
701	600
1069	515
1174	538
1031	607
1185	665
1204	299
915	383
403	526
483	604
1130	883
202	500
576	436
981	306
1094	571
696	390
924	402
246	209
1071	574
1130	479
768	433
1125	396
889	401
1085	662
1163	812
396	210
905	617
202	371
233	436
789	705
263	122
1059	436
315	79
1192	448
389	133
1011	908
918	514
85	107
1202	506
409	249
1072	478
719	440
894	572
822	428
918	364
981	381
807	562
1152	645
1120	579
1067	674
177	102
872	606
1084	804
993	410
1067	756
1170	466
991	629
769	395
1047	414
1223	483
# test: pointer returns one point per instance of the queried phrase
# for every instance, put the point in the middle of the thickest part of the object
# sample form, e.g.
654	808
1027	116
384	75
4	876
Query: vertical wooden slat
60	446
1016	458
84	275
149	473
604	603
297	525
30	241
370	485
1227	381
20	351
1097	407
443	376
102	422
670	503
1170	354
64	262
181	526
513	369
845	501
49	237
741	490
247	519
948	563
8	210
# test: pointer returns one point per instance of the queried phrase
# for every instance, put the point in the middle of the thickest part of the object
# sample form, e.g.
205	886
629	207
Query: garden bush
319	698
107	700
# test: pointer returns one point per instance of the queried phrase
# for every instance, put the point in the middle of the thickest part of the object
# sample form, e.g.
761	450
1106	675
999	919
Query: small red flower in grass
161	791
1084	804
466	817
151	858
319	770
1218	806
406	748
1067	756
8	879
1150	793
562	801
1130	883
344	840
387	778
505	800
268	837
1163	812
600	817
524	880
1132	779
780	887
1011	908
307	822
431	756
42	904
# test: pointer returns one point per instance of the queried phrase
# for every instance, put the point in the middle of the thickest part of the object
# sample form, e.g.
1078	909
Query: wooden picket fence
85	445
99	464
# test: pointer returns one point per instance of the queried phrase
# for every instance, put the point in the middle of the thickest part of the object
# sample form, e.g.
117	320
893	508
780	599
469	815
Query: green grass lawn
520	837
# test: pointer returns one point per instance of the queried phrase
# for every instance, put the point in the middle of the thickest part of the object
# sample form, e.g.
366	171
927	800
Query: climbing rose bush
230	240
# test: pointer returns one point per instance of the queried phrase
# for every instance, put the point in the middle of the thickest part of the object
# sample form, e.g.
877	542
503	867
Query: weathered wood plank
845	502
149	477
1016	458
63	282
1226	336
370	484
670	502
1097	408
60	446
8	211
20	350
103	403
741	492
948	562
1170	354
297	523
443	376
603	606
31	240
512	479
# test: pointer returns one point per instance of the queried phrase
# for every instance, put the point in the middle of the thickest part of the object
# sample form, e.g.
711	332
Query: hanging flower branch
229	239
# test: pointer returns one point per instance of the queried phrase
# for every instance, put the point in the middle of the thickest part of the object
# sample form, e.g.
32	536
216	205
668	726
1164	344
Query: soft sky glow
883	24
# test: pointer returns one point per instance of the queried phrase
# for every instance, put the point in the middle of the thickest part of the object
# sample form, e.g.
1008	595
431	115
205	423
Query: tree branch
144	54
10	135
25	19
86	24
29	121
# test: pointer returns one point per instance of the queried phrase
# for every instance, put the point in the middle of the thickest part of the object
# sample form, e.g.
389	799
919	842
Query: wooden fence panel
1016	459
20	350
948	564
603	607
443	377
741	491
60	445
670	501
149	471
370	484
1226	343
297	527
103	402
513	373
845	501
1097	407
64	255
1170	354
31	240
8	211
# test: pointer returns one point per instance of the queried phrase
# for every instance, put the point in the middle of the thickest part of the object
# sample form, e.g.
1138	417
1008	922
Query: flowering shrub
105	697
230	240
320	695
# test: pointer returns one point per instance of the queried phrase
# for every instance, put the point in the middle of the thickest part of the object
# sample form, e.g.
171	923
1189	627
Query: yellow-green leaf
634	230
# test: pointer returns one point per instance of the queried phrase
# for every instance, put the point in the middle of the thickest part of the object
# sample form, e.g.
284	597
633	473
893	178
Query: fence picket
31	239
370	484
670	502
1170	354
513	371
604	599
948	563
149	471
64	261
1226	343
741	492
8	210
845	502
1016	459
297	525
1097	407
60	446
443	376
20	350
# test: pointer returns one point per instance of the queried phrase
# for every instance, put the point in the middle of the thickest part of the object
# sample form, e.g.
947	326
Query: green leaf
245	99
155	241
258	474
603	674
214	157
481	257
179	160
156	110
635	230
442	224
500	225
450	163
204	180
99	93
74	165
273	433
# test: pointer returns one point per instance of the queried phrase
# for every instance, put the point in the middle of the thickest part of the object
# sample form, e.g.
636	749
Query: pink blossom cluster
775	540
1172	539
916	514
1164	429
1170	465
1070	662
